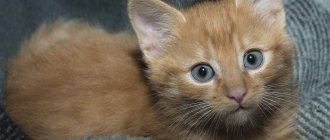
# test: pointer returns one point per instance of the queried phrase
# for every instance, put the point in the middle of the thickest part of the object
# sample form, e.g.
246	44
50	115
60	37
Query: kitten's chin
239	117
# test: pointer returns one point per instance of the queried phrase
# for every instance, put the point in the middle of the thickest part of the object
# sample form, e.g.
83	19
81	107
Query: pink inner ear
149	37
268	6
271	10
153	23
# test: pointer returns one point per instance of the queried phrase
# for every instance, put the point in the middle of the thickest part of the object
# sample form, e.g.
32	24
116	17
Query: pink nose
237	94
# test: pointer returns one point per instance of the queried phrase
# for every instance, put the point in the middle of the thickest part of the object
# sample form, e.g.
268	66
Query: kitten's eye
202	73
253	59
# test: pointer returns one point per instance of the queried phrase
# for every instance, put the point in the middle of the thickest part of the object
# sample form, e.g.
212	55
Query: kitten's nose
237	94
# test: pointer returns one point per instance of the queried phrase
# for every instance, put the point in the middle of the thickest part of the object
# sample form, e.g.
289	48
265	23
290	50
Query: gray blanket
308	23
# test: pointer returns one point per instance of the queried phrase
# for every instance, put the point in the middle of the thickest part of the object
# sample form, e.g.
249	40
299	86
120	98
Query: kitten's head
217	65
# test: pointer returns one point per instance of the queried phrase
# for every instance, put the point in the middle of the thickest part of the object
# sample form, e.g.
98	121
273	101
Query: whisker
284	99
276	105
263	103
262	112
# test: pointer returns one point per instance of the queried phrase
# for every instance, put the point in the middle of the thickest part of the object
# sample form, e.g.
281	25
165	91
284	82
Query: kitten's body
63	83
73	80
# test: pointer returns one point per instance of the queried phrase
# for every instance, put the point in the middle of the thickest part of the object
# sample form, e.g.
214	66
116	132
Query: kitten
217	70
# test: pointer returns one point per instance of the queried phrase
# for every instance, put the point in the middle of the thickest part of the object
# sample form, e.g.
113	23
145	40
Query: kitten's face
224	67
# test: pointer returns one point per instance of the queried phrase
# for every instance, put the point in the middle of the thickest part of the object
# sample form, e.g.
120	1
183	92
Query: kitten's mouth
240	108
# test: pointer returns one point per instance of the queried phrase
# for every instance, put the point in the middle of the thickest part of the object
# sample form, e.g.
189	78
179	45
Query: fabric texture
308	23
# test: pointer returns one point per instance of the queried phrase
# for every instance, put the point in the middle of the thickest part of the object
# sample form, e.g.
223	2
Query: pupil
202	72
251	59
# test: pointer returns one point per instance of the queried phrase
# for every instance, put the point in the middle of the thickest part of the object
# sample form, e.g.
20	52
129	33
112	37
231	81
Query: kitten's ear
153	22
271	10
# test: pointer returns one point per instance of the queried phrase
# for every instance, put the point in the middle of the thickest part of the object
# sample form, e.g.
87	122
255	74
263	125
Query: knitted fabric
309	24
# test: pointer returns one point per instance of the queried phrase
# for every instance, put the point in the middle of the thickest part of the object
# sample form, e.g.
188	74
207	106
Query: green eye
253	59
202	73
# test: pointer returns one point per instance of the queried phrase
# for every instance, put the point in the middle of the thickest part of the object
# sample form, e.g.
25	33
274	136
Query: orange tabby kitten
218	70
